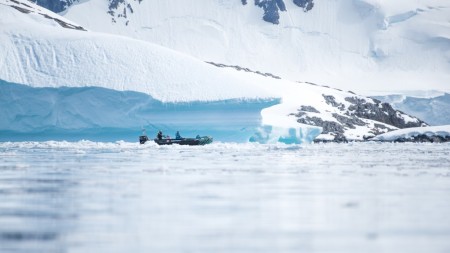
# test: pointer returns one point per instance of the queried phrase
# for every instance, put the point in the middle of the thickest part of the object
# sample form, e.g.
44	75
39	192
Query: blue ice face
102	114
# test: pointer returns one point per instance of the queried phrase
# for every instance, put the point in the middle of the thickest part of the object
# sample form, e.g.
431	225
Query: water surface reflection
124	197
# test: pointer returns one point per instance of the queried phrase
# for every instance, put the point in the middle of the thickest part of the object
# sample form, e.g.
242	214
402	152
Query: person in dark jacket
159	135
178	136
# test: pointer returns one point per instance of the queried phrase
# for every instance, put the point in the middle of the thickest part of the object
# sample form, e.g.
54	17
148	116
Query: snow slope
430	134
48	56
361	45
40	51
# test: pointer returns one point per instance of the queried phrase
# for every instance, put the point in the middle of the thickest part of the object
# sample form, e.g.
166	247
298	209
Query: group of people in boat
160	135
166	140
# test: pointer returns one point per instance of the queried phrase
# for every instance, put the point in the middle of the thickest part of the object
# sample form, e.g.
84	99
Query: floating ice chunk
280	126
288	135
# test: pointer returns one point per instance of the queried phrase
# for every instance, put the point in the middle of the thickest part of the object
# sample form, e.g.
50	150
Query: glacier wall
103	114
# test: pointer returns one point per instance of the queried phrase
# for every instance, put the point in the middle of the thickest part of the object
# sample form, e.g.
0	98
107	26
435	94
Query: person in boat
159	135
178	136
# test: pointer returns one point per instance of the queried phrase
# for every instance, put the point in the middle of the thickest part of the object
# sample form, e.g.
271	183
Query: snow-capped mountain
359	45
120	9
76	79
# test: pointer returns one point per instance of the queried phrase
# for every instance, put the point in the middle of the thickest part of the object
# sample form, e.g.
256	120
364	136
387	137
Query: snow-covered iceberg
105	114
417	134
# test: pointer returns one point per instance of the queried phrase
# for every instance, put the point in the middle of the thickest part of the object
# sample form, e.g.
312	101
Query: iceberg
280	125
74	113
417	134
105	114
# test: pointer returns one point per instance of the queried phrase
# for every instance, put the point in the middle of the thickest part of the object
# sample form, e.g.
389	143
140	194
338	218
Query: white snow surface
442	131
363	45
38	52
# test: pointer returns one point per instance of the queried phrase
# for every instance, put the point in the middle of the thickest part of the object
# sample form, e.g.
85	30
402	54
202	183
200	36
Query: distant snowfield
366	46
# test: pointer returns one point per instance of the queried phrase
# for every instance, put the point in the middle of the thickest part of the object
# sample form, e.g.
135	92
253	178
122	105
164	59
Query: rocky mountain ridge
121	9
353	117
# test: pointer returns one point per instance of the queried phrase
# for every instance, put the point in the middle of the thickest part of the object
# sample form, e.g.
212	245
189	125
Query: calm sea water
126	197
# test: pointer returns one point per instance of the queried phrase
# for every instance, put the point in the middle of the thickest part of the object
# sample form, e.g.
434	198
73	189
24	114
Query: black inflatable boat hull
185	141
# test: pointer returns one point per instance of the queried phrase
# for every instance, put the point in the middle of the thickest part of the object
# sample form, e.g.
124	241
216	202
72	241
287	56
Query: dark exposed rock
354	114
116	8
23	10
220	65
298	114
114	4
349	122
382	112
328	126
272	7
307	5
121	9
380	129
424	138
59	21
325	86
307	108
382	126
55	5
64	24
331	100
19	3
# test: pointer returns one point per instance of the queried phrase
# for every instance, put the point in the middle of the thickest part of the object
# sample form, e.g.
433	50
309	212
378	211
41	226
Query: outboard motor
143	139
